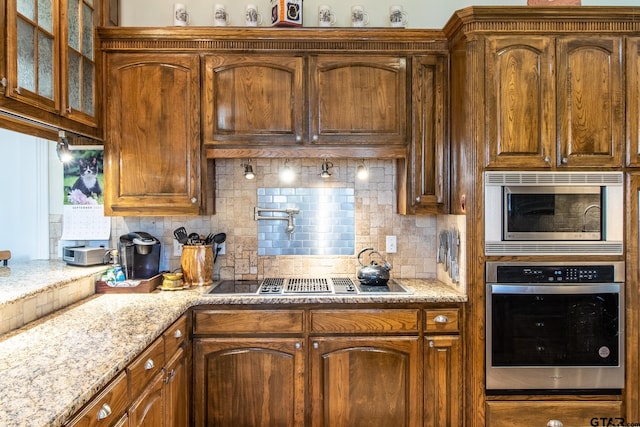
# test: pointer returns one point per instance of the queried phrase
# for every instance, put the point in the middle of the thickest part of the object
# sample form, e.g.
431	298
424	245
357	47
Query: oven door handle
554	289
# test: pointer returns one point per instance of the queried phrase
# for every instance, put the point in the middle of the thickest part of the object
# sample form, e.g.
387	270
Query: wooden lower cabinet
148	409
443	389
329	367
553	413
249	382
365	381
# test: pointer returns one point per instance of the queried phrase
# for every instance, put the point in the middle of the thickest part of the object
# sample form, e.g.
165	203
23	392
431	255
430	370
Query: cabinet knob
149	365
564	160
298	346
3	82
441	318
555	423
69	109
104	412
315	138
547	160
418	199
298	138
17	89
194	200
316	345
178	334
431	344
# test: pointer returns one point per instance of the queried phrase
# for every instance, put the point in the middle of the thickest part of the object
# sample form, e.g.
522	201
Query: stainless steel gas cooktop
305	286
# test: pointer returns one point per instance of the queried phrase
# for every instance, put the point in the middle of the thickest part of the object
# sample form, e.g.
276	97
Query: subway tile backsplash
324	224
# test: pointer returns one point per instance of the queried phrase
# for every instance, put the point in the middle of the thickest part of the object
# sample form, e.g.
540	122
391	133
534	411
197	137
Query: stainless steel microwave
548	213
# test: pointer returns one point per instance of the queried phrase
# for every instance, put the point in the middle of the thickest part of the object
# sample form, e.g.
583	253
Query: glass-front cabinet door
78	59
50	56
32	52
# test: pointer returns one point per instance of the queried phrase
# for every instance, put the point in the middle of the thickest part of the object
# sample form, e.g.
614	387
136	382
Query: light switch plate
392	245
177	248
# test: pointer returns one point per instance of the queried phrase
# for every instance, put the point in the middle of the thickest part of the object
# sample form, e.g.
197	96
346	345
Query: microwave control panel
555	274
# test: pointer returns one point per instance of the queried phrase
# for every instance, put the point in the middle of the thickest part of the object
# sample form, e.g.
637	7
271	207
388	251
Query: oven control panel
555	274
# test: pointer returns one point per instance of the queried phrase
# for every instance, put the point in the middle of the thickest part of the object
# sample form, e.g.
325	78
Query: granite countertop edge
53	366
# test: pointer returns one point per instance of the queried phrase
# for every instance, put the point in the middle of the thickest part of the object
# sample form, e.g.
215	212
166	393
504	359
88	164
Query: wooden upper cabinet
520	101
554	102
358	99
253	99
263	100
633	101
424	174
50	62
590	101
152	151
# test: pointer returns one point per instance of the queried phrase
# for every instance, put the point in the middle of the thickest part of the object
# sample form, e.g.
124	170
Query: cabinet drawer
569	413
248	321
106	407
442	320
362	321
145	367
175	336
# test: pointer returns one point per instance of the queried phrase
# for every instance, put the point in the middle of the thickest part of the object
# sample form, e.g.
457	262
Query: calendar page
85	222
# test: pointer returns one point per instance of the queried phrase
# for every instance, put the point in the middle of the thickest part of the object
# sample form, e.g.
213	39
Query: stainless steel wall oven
555	326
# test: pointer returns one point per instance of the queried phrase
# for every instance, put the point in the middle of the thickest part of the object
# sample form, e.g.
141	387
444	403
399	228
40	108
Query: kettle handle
360	254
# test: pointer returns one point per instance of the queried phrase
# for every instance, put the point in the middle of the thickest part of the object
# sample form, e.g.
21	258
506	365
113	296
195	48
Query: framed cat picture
83	177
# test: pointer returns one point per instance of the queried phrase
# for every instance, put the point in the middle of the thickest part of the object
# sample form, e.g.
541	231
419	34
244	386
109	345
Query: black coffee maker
139	255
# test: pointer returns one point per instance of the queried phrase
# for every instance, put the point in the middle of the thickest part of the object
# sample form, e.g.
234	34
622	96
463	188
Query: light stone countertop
51	367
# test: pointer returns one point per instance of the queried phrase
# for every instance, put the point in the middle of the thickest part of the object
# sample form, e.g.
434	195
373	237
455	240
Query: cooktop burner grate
307	286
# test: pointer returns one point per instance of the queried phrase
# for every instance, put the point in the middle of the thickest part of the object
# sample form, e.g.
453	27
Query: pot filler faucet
289	218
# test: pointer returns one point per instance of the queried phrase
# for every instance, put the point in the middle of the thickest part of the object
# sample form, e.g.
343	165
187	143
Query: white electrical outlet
392	245
177	248
221	248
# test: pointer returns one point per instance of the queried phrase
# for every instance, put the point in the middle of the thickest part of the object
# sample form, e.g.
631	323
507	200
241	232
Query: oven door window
553	213
554	330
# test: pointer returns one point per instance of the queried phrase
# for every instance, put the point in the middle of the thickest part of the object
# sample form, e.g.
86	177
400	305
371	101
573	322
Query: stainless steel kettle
373	274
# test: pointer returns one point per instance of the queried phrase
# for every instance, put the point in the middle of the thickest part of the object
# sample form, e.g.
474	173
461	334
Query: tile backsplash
374	212
323	222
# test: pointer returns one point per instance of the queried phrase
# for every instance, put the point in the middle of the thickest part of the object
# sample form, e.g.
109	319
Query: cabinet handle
104	412
441	318
169	377
564	160
178	334
316	345
555	423
149	365
431	344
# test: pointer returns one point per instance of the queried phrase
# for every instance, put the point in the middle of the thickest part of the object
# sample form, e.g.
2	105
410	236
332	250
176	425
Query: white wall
24	196
431	14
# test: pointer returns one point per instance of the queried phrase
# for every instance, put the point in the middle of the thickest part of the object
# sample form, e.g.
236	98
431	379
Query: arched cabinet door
249	382
152	157
253	100
365	381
